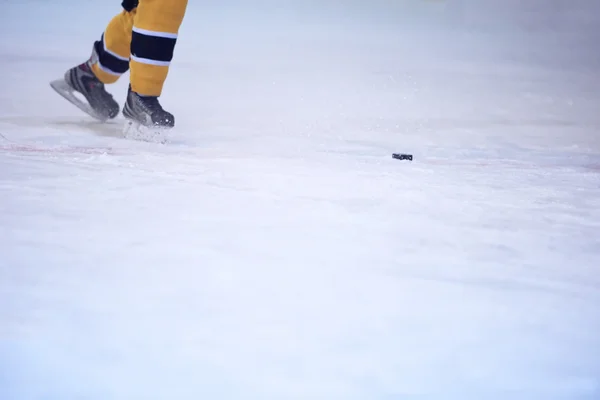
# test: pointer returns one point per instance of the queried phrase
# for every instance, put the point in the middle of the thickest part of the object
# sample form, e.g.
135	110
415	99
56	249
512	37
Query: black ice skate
147	111
147	120
98	102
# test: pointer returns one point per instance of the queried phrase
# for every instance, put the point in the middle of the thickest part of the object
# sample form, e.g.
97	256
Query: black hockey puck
401	156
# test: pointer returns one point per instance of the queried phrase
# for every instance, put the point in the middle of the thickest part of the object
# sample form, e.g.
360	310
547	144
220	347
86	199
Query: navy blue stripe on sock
109	61
152	47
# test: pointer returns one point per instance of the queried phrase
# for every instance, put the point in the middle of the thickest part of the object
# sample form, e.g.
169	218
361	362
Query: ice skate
79	82
146	119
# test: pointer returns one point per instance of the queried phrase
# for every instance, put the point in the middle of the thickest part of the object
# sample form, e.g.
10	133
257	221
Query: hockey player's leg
155	29
110	56
109	60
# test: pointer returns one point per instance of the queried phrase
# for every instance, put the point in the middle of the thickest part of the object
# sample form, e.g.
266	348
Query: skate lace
150	103
94	84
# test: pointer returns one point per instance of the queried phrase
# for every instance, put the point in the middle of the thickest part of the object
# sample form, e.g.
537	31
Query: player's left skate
146	119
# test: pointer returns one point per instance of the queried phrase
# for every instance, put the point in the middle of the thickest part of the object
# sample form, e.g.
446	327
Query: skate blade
135	131
61	87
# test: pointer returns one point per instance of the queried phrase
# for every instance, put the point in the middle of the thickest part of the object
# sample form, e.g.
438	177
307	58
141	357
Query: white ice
274	249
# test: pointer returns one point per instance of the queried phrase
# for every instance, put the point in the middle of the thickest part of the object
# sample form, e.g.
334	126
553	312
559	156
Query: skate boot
81	80
146	119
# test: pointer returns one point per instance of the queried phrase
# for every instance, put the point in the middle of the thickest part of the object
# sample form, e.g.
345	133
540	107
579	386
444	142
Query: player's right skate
94	99
146	119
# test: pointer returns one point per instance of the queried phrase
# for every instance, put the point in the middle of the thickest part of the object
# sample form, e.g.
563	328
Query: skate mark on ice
72	124
27	148
112	129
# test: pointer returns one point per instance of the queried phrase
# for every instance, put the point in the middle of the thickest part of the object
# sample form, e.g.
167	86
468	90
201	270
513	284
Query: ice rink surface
274	249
